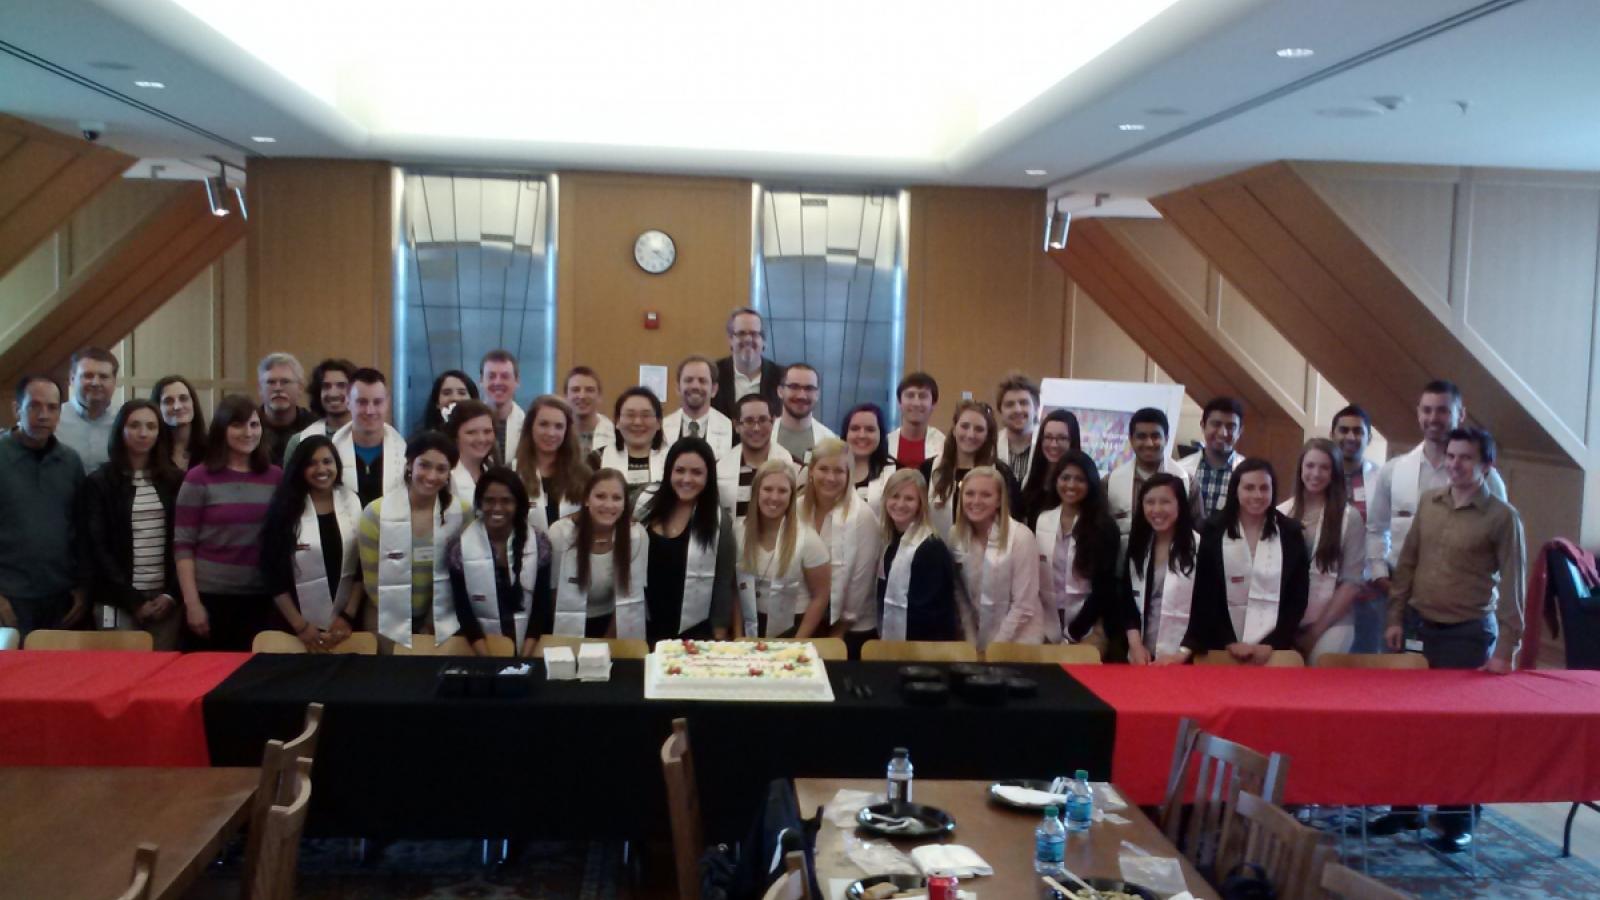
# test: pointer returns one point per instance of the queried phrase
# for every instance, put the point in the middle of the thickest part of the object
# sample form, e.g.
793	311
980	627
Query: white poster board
1103	409
654	378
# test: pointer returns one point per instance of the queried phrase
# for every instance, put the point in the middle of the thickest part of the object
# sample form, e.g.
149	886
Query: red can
942	887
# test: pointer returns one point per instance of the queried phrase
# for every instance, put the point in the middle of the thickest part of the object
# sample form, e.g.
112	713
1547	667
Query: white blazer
728	475
853	537
394	458
1119	492
538	515
513	430
998	588
933	442
872	493
716	430
605	433
1002	451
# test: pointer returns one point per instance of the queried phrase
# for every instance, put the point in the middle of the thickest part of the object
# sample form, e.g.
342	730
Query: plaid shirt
1211	484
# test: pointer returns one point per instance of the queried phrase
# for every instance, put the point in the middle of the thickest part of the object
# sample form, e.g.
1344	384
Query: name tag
1413	645
1361	493
638	476
302	546
422	554
479	598
1236	579
572	580
395	554
108	617
1403	514
1121	514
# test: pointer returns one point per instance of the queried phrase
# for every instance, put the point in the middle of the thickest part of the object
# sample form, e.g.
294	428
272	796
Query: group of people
737	514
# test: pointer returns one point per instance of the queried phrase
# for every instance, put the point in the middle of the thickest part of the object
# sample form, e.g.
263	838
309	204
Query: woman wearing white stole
499	565
998	563
640	451
470	424
308	547
870	462
403	538
970	443
830	507
1252	574
784	571
691	585
917	575
550	461
599	561
1158	583
1078	544
1336	543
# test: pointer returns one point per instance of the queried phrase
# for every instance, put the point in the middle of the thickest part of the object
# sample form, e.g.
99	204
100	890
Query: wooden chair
1071	654
1261	834
1280	659
793	884
273	877
1219	769
830	649
278	763
361	643
919	651
48	639
621	648
683	809
144	870
1372	661
1340	882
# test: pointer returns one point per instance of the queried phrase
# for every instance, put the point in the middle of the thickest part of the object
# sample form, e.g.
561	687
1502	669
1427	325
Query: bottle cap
1050	812
901	751
1083	775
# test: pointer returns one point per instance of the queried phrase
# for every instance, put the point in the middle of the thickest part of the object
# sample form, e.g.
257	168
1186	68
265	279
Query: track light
238	194
217	195
1056	222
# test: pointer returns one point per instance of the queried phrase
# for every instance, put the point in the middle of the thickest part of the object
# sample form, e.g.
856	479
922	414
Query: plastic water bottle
1049	844
1080	803
900	776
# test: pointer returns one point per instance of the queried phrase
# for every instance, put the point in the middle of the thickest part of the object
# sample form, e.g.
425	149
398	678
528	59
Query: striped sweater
218	525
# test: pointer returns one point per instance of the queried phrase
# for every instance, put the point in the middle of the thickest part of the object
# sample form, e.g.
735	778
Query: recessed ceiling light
263	139
1130	126
1166	111
110	65
1034	172
1295	52
156	85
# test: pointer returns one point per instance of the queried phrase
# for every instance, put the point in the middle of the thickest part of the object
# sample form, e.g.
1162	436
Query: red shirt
910	454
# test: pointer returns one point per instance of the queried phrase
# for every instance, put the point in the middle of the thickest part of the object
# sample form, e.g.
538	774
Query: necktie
694	429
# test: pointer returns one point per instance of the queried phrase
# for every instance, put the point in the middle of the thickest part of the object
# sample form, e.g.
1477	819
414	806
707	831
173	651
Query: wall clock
655	251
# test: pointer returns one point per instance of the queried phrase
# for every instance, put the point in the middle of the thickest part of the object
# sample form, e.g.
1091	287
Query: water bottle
900	776
1080	803
1049	844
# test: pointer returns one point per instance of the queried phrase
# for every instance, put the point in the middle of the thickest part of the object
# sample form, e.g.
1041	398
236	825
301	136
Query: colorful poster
1103	409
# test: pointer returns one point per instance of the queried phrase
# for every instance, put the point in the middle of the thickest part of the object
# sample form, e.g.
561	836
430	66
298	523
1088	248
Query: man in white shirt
372	451
745	370
583	394
1352	432
499	378
916	440
330	401
1221	424
1148	434
695	418
86	418
798	430
1017	402
737	468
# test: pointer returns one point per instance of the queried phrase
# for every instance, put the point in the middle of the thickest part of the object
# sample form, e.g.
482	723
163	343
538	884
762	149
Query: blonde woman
848	528
784	571
970	444
998	561
916	576
550	461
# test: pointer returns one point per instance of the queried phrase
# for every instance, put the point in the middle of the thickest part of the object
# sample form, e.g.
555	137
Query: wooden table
71	832
1002	836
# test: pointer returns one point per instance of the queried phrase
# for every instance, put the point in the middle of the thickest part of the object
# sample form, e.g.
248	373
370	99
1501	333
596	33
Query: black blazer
1210	628
726	401
931	613
105	510
1105	594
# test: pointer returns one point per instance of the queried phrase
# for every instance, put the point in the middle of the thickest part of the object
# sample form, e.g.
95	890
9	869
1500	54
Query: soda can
942	887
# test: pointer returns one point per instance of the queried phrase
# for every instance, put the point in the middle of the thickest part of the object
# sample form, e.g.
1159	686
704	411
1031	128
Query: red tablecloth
1368	736
85	708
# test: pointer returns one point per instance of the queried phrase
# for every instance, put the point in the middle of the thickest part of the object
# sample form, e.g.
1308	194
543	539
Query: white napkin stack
594	662
1028	796
560	664
952	859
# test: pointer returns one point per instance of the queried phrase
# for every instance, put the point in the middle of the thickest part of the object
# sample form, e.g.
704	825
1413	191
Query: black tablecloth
583	759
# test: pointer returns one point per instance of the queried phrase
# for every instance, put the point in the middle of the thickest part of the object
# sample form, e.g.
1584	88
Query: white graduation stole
1405	493
572	601
842	521
1062	589
1254	585
538	510
395	553
897	590
778	595
993	601
394	459
700	571
477	567
1165	635
312	592
612	458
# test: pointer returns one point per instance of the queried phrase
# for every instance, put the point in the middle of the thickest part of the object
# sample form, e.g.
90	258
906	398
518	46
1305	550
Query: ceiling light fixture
217	195
238	194
153	85
1295	52
263	139
1130	126
1034	172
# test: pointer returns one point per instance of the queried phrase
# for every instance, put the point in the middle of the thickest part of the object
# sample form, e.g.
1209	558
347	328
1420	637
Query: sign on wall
1103	409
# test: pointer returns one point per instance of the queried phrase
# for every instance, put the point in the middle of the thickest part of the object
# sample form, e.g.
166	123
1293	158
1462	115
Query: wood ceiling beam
44	178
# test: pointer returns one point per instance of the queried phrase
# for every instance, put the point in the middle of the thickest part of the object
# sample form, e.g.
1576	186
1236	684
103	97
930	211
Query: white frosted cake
736	670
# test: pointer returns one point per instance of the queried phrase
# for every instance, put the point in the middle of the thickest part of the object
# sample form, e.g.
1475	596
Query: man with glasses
798	430
282	382
745	370
737	468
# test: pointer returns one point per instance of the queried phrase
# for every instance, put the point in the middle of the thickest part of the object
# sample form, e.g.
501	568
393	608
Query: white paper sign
655	378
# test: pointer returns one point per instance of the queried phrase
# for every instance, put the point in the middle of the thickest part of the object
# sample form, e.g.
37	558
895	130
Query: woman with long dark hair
404	535
451	387
1335	541
216	537
870	463
1054	437
499	565
692	583
308	547
126	509
1252	573
640	451
550	459
1078	547
598	565
180	412
1157	589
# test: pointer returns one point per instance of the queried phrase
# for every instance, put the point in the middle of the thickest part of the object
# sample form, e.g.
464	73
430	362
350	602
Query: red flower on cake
761	646
802	659
675	670
755	671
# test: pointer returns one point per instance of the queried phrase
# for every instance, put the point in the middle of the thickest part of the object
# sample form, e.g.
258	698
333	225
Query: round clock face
655	252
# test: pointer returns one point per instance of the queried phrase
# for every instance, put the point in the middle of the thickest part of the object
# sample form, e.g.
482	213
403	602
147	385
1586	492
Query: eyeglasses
803	388
638	416
762	420
281	382
1056	438
744	335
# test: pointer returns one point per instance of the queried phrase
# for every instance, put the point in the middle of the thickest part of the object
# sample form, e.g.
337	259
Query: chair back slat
1223	770
273	877
683	808
1264	835
1068	654
52	639
142	884
919	651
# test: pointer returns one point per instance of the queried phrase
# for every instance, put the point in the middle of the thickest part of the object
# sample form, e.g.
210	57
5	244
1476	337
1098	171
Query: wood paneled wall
602	296
44	177
982	299
320	257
